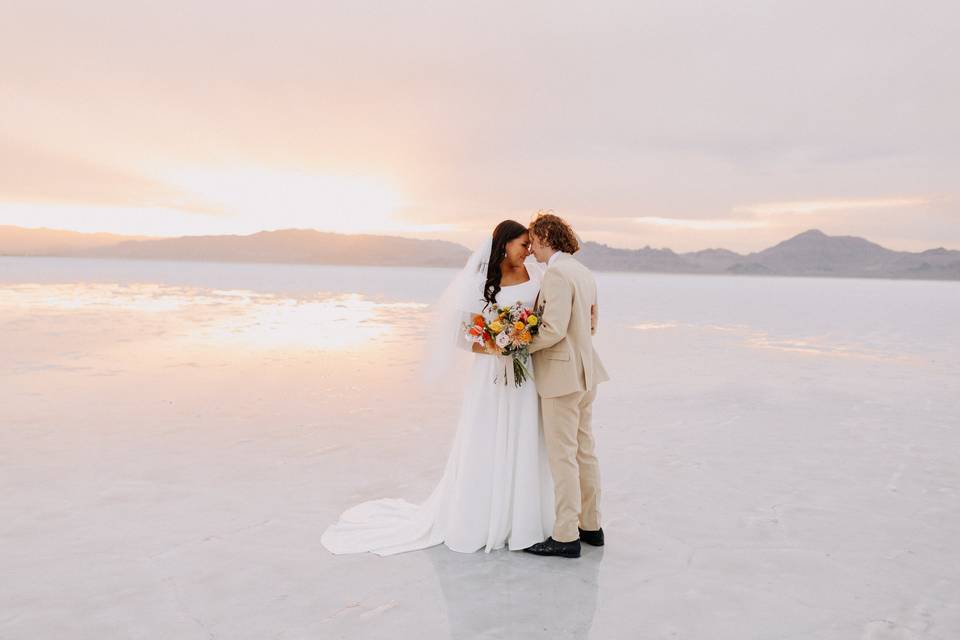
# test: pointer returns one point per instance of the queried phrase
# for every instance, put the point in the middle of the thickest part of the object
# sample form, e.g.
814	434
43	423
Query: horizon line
147	237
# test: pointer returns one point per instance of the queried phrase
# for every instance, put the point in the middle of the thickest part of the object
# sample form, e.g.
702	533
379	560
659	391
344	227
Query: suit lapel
536	303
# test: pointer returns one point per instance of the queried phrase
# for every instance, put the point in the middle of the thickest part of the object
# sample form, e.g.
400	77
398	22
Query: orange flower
519	326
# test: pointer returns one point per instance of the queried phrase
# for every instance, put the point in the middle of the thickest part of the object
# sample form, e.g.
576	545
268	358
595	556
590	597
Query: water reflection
819	347
759	339
141	297
509	594
653	326
232	317
339	323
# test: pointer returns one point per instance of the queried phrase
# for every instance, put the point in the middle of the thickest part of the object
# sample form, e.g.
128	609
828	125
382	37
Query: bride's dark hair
504	233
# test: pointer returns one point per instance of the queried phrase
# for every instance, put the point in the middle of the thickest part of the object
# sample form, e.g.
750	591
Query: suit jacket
564	359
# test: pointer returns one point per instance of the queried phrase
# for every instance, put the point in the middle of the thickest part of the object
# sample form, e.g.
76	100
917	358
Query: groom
567	371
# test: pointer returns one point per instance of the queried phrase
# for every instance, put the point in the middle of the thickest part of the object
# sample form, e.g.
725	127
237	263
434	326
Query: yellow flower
496	327
532	320
519	326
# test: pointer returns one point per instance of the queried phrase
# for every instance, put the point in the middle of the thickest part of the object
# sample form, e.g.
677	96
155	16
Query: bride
496	488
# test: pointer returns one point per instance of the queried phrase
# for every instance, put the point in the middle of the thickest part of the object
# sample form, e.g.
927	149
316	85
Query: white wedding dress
496	490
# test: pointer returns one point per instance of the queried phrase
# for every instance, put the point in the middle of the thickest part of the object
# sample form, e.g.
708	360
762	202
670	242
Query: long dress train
496	489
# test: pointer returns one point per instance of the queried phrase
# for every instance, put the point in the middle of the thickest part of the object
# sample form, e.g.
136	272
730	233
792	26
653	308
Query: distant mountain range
811	253
287	245
20	241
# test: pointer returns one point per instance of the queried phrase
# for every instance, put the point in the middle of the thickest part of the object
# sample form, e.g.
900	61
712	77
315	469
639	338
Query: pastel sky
681	124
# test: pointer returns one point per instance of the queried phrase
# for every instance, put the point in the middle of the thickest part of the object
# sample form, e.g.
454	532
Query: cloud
828	205
30	173
711	224
125	220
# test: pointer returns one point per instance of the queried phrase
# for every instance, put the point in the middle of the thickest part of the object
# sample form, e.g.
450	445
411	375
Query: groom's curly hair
554	231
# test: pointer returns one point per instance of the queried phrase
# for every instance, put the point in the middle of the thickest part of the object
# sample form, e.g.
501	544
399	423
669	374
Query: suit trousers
573	461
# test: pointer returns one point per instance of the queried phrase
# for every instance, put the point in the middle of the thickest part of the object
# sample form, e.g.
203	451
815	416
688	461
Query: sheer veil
447	350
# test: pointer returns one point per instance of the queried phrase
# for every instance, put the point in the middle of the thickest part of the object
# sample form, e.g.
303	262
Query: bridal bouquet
506	331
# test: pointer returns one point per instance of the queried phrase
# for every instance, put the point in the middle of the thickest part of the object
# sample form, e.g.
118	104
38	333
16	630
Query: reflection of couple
507	482
503	596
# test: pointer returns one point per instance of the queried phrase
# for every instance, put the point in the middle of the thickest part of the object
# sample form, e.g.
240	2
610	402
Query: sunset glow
440	121
271	199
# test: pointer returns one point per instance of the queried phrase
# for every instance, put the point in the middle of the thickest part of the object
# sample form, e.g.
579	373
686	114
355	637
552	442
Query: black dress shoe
593	538
551	547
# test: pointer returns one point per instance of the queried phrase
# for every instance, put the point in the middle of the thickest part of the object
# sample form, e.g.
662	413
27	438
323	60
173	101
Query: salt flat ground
780	459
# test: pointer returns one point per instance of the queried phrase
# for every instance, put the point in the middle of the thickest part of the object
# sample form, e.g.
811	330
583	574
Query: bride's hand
478	348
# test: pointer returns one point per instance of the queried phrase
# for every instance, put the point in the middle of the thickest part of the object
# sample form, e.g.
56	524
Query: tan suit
567	371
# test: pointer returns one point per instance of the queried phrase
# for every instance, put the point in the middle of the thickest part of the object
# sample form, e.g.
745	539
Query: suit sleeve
557	295
594	316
